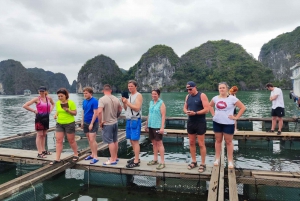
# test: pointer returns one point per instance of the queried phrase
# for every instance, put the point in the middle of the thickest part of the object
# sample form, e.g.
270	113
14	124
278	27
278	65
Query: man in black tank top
196	106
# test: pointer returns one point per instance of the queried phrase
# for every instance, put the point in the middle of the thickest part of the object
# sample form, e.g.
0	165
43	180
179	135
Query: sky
60	36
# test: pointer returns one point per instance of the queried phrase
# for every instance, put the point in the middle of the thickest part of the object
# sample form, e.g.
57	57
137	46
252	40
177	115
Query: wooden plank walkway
26	156
217	180
172	169
24	181
233	194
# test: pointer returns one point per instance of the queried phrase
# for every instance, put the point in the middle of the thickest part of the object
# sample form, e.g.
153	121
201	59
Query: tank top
154	120
194	103
131	113
43	107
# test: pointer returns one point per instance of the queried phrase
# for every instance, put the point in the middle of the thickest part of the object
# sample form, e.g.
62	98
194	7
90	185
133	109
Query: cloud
61	36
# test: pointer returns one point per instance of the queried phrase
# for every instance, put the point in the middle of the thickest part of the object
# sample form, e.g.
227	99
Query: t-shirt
131	113
88	107
278	102
63	116
110	105
223	108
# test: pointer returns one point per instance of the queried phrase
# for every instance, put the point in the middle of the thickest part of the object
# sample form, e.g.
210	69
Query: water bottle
165	132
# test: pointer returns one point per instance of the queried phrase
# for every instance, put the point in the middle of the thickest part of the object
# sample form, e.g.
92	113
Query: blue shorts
223	128
133	129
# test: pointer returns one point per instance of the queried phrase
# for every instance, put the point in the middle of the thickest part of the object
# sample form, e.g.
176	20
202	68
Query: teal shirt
154	118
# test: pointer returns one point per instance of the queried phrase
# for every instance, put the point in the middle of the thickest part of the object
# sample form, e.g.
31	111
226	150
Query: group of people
104	114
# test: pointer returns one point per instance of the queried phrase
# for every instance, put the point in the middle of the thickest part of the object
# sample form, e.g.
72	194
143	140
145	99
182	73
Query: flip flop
94	160
110	163
88	158
75	158
116	160
54	162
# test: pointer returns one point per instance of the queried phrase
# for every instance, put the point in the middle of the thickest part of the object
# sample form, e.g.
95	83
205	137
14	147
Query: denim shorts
133	129
223	128
66	128
94	129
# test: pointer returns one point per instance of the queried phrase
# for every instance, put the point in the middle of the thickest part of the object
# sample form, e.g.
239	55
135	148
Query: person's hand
66	109
146	129
124	100
190	113
161	131
232	117
90	127
102	124
55	116
35	112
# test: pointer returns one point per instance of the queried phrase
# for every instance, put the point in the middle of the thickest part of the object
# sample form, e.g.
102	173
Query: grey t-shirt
223	108
110	105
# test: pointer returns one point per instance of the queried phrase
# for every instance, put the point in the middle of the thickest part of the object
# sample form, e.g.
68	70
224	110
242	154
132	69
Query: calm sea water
14	119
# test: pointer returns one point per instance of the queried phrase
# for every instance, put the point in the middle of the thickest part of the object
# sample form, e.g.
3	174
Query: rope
33	191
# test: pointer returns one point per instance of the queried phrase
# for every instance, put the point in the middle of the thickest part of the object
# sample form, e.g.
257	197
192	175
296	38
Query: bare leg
229	145
93	145
161	149
59	144
155	150
44	140
192	142
201	142
280	123
39	141
72	142
112	151
136	149
274	122
218	144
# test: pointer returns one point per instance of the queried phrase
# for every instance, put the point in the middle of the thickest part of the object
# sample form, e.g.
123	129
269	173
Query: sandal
216	163
132	165
110	163
54	162
270	131
230	165
152	162
278	132
89	157
46	153
41	156
202	168
132	160
94	160
192	165
160	166
75	158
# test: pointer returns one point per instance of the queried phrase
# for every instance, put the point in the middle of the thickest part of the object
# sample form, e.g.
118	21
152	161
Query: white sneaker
216	163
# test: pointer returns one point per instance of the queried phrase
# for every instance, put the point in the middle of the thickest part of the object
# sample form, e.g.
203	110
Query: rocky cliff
53	81
99	71
217	61
14	78
73	87
156	68
280	54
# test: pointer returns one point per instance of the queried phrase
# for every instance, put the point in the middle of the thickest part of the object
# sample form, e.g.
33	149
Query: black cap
42	88
191	83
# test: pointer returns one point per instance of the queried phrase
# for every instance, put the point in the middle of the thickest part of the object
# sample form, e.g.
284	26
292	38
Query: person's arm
52	104
242	108
27	105
138	103
119	110
82	119
163	118
274	97
100	110
72	110
185	106
205	104
124	101
211	107
95	115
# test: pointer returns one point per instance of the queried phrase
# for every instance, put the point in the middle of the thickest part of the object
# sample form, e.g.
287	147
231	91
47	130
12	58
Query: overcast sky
61	36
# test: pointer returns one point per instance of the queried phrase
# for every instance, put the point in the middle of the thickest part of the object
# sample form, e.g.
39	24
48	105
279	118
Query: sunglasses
190	89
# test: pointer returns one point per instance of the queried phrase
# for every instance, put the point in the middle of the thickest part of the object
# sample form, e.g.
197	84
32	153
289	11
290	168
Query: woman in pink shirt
44	106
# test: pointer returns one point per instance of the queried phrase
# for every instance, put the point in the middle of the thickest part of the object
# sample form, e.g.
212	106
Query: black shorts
153	135
198	128
41	122
277	112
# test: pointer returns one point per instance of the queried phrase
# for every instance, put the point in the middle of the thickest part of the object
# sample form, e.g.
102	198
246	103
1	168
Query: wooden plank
22	181
274	173
233	195
221	176
214	183
270	181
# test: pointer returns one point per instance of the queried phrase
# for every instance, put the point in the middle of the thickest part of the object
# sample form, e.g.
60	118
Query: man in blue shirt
89	122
